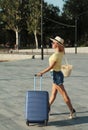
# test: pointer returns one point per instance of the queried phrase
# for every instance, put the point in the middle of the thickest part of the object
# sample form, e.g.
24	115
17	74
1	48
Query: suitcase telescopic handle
35	82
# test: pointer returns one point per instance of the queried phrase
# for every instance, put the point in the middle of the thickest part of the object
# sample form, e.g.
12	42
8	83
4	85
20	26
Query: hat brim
54	40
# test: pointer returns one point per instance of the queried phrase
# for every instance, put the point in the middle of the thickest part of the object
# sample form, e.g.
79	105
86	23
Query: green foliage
72	8
50	15
79	10
33	20
11	13
25	15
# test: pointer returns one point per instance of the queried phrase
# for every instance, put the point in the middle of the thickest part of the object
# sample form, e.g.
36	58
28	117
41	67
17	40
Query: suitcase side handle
35	82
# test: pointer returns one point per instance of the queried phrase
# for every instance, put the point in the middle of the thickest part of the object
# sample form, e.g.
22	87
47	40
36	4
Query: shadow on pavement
69	122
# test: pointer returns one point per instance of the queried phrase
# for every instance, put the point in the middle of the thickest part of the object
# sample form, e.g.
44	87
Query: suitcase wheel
45	122
27	123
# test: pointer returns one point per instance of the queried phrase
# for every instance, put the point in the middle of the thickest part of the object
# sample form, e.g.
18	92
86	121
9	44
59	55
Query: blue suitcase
37	105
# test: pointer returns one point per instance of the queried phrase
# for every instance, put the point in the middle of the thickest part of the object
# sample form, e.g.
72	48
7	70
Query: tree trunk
36	39
17	40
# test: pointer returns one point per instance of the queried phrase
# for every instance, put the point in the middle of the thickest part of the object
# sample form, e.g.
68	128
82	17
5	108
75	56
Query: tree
72	8
79	10
50	19
11	16
34	18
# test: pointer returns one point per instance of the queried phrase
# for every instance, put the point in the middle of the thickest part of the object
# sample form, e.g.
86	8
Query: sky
56	3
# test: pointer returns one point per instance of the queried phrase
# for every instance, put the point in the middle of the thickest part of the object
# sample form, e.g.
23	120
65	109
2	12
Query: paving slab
16	77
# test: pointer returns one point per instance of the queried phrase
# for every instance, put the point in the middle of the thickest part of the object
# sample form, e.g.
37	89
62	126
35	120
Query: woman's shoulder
59	53
56	54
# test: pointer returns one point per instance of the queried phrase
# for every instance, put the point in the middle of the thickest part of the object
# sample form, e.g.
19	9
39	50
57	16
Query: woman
55	61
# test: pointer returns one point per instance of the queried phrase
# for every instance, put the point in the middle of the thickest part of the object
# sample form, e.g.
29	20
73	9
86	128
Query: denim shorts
58	77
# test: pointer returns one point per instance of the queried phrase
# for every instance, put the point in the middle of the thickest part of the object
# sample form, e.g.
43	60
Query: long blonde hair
61	48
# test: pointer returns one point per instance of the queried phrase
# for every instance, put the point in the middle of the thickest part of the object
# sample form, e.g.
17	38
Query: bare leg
53	94
65	96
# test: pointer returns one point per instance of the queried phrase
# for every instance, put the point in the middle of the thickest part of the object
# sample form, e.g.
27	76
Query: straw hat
58	39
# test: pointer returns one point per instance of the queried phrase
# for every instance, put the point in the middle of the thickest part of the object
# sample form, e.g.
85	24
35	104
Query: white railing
47	51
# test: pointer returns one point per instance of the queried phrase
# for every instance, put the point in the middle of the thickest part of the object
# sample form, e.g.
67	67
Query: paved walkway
16	78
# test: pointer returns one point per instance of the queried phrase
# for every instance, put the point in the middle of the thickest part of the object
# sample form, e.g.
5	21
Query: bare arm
47	69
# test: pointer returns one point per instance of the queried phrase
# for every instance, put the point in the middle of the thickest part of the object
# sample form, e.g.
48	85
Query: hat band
59	42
